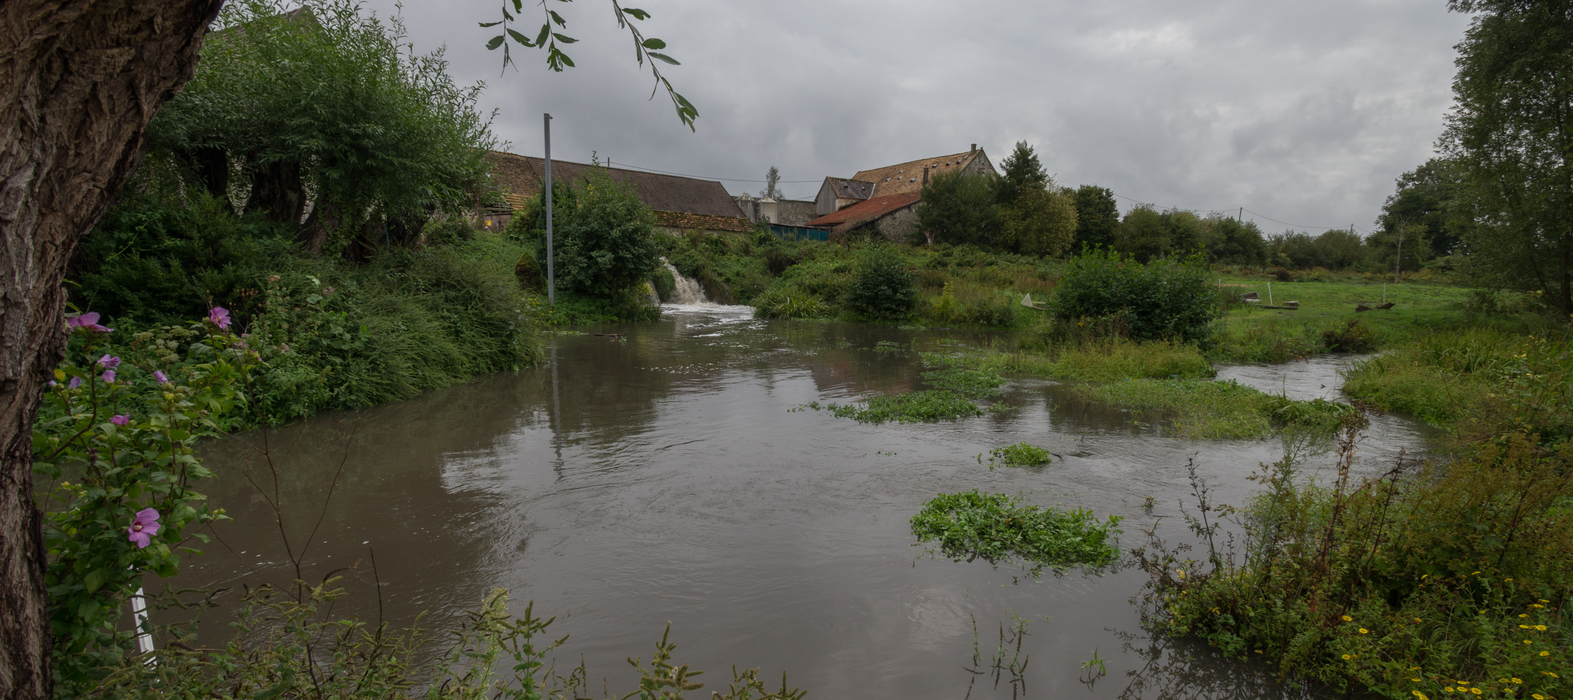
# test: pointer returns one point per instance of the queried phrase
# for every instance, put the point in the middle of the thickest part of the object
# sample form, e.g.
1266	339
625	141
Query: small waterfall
687	291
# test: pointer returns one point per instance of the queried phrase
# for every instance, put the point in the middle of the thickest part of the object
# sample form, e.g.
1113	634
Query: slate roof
908	177
866	210
850	189
520	178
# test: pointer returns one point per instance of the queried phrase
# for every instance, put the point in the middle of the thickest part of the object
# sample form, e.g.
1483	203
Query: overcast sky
1303	112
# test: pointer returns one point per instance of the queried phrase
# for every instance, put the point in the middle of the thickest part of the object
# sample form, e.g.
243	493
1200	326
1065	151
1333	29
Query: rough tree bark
79	80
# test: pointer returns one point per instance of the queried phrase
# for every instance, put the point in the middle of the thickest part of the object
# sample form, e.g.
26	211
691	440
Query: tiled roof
520	178
867	210
703	222
850	189
908	177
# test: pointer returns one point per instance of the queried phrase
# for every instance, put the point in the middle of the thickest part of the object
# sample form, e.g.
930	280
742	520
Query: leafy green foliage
548	38
971	383
1041	221
883	286
1425	196
1020	454
328	101
910	407
1452	579
605	244
114	439
336	336
958	207
1161	299
162	260
1097	216
993	527
1210	410
1143	234
1022	173
1508	133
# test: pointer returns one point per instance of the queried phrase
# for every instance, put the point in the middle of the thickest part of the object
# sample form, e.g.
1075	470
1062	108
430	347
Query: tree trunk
79	81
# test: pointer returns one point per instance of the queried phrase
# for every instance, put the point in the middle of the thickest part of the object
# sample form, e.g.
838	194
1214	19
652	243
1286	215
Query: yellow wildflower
1541	628
1346	657
1364	630
1348	619
1545	653
1475	690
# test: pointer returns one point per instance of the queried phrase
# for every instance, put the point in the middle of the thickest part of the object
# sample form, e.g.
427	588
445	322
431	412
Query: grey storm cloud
1304	112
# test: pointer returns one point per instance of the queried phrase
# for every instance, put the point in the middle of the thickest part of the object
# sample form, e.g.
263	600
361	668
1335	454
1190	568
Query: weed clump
994	527
1209	410
1020	454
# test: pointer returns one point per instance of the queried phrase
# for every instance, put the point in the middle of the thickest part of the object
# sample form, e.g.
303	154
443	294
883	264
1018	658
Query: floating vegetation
1210	410
1020	454
993	527
954	397
911	407
887	347
971	383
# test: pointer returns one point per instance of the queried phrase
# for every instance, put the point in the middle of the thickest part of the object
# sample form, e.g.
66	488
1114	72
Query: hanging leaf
495	42
654	44
522	39
663	57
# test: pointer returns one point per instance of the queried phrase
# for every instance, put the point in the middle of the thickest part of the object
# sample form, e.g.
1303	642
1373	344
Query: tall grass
1107	361
1209	410
336	336
1476	379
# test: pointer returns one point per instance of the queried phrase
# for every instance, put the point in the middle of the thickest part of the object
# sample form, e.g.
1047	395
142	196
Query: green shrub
336	336
883	287
448	231
1353	336
165	261
789	303
993	527
1452	579
664	283
605	245
1162	299
529	274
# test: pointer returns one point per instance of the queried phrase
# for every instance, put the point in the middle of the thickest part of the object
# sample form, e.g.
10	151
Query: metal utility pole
551	278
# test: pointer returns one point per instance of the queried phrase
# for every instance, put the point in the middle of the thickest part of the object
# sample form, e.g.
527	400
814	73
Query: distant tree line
1022	210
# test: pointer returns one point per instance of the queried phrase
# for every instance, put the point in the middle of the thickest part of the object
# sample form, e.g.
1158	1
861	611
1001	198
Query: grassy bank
1452	576
332	335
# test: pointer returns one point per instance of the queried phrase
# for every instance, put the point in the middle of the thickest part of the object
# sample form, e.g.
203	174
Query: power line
707	177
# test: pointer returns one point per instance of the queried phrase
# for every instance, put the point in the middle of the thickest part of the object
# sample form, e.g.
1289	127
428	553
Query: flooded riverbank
660	477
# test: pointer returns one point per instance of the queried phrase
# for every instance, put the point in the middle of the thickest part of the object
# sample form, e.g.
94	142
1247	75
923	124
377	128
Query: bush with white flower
113	449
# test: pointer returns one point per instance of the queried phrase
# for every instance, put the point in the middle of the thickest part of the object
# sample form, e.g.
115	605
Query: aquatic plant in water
994	527
1020	454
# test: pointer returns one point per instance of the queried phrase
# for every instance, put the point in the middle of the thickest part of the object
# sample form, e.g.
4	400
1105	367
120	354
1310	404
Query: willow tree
1511	135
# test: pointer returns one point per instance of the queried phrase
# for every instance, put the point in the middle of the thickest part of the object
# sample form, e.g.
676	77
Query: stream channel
661	477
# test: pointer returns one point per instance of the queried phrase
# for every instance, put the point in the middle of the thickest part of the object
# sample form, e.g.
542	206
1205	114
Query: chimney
925	176
974	149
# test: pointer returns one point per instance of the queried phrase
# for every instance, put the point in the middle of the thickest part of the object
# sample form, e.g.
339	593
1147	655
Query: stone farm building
885	198
680	203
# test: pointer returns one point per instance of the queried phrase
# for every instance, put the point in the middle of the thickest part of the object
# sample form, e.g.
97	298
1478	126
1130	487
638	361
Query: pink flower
120	420
143	528
161	377
108	362
74	383
220	317
87	322
108	376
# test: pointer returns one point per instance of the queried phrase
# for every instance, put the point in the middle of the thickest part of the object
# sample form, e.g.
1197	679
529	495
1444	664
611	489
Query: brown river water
661	478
